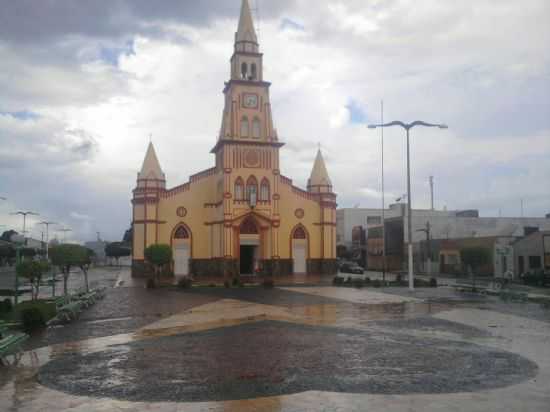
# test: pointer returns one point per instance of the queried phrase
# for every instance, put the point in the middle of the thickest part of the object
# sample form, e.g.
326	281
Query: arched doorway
181	248
249	247
299	245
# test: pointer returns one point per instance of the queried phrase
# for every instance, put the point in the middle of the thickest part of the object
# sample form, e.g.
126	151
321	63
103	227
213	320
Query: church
241	217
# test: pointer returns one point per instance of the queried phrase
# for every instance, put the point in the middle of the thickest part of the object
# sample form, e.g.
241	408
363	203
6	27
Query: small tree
33	270
7	253
474	258
158	256
117	250
85	261
67	256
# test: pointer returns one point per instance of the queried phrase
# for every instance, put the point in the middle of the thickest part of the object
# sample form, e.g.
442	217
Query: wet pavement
287	349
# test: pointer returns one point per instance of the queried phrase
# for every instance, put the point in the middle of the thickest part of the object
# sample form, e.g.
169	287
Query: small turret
319	181
151	173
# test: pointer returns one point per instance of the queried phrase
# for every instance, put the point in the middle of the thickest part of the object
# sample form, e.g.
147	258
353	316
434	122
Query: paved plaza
291	348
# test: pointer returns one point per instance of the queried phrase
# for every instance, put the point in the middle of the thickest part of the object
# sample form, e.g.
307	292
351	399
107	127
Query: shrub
6	306
269	284
358	283
185	283
367	281
433	282
337	281
376	283
348	280
33	319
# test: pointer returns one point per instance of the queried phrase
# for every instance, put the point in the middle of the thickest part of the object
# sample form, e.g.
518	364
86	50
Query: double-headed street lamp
25	214
407	127
47	224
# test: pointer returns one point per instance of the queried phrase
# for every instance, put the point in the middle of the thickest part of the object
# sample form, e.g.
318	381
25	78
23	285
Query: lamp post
65	230
47	224
18	249
408	127
25	214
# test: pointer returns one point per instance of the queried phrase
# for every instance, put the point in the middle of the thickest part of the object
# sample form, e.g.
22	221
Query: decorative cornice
223	142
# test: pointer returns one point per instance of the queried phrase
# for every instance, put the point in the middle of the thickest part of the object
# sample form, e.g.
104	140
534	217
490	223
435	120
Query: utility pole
383	201
47	224
432	190
427	230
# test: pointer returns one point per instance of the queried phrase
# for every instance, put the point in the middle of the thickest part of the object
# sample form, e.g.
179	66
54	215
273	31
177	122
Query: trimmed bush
377	283
338	281
33	319
433	282
358	283
185	283
6	306
269	284
367	281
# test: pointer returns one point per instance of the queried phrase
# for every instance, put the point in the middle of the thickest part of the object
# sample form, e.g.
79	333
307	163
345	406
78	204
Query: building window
239	189
181	233
244	71
256	128
299	233
253	71
251	187
244	127
535	262
374	220
264	190
249	227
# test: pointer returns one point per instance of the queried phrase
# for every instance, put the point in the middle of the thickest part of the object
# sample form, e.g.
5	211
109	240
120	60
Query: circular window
181	211
299	213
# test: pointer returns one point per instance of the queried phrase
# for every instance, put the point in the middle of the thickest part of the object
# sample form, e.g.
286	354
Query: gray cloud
30	21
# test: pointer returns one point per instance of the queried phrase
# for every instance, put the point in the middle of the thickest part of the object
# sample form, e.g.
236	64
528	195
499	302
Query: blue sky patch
110	55
357	113
287	23
22	115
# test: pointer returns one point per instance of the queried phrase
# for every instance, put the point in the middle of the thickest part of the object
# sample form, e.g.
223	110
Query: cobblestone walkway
288	349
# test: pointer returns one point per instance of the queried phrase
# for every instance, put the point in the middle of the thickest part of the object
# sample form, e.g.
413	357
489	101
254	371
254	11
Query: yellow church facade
242	216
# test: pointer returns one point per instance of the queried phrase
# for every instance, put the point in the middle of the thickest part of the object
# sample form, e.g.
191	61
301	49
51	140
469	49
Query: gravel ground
274	358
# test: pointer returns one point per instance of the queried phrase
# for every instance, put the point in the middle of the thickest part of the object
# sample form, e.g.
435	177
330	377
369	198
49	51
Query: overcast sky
84	83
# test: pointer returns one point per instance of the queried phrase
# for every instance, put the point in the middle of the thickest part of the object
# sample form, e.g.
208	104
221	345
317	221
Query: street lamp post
65	230
47	224
408	127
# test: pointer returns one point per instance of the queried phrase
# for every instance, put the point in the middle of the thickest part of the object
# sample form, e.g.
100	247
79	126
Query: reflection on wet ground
217	344
273	358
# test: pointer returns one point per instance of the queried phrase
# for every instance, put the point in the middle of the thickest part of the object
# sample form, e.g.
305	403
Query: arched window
239	189
253	71
244	70
249	227
251	187
181	233
256	128
244	127
264	190
299	233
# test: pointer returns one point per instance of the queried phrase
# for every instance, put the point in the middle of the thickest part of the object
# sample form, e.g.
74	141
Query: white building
444	224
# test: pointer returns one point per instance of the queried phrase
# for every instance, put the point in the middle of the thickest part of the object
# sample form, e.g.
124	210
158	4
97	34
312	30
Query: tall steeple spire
319	180
245	38
151	166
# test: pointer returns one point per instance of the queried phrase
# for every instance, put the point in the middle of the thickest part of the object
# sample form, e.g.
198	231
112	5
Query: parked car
353	268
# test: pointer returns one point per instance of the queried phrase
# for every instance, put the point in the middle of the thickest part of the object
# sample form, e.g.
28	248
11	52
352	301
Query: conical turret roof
151	166
246	31
319	175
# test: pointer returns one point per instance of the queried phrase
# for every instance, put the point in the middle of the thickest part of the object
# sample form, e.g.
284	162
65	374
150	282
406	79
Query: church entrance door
181	260
248	259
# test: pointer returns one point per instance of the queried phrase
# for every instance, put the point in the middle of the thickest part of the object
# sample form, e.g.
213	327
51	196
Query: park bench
468	285
10	342
70	311
513	295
